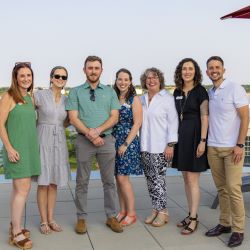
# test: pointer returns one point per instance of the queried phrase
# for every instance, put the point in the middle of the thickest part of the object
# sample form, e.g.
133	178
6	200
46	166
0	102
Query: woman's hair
155	72
131	89
178	73
56	68
13	90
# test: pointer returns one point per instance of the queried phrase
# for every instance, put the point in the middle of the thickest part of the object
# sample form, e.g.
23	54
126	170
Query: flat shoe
121	215
54	226
44	228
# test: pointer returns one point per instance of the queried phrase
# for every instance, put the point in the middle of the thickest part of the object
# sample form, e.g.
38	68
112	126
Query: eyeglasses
62	77
24	63
152	78
92	95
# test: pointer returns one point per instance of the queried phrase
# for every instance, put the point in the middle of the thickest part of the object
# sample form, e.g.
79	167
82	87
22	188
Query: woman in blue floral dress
127	145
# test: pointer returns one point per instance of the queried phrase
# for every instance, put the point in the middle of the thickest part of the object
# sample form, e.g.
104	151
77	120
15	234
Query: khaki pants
227	178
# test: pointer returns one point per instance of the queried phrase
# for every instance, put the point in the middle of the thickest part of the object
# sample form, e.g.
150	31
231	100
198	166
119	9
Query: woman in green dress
21	154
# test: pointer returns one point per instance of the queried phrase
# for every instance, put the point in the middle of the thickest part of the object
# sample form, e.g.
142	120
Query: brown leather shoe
114	225
81	227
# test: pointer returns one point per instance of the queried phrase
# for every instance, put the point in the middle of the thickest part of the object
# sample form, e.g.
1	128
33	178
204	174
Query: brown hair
131	89
92	59
14	91
215	58
177	75
155	72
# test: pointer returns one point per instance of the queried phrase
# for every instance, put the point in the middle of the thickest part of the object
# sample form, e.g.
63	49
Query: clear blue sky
135	34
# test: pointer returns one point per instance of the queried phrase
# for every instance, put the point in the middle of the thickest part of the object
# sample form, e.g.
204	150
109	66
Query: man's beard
93	81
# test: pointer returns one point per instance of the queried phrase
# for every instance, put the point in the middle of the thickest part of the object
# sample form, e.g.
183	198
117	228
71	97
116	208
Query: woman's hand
169	153
121	150
13	155
200	149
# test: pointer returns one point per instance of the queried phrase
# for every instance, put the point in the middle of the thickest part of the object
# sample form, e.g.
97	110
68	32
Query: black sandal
188	229
184	222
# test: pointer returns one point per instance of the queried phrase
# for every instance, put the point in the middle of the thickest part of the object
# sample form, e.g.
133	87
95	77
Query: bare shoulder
7	101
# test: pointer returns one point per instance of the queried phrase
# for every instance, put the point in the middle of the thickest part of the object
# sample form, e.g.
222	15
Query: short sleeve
72	100
37	98
240	98
203	95
114	101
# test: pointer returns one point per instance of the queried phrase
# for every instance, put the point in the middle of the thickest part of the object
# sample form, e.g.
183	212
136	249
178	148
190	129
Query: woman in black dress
191	100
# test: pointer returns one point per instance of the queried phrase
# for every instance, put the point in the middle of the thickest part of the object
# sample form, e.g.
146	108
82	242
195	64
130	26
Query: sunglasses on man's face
62	77
92	95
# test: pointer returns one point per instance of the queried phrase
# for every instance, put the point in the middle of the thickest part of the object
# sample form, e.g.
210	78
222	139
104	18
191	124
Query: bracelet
203	140
125	144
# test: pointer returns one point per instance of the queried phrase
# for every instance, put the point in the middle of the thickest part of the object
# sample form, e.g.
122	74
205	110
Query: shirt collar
87	86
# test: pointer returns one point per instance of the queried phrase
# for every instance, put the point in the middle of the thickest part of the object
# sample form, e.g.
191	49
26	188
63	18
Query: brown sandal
150	218
25	231
24	243
54	226
161	219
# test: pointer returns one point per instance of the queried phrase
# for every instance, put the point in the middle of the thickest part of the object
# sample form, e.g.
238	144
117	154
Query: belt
102	135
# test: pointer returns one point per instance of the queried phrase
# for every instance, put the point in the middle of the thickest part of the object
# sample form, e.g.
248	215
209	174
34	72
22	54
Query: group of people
190	130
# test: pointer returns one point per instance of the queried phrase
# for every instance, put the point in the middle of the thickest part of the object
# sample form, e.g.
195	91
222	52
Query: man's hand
92	134
98	141
237	154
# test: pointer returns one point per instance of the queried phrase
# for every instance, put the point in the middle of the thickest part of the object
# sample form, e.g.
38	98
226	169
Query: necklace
182	106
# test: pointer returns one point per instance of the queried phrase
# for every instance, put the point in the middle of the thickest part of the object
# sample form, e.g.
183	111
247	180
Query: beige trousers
227	178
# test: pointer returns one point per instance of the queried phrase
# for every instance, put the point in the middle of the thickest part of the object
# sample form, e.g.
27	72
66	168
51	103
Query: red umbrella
242	13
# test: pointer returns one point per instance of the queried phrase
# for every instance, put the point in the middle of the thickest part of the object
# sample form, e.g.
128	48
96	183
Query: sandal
128	220
184	222
150	218
161	219
20	241
25	231
121	215
44	228
54	226
187	229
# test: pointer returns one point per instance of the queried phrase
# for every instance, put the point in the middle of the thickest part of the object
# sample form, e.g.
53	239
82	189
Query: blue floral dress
130	162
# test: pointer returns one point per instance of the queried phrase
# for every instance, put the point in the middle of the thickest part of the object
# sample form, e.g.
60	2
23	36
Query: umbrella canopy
242	13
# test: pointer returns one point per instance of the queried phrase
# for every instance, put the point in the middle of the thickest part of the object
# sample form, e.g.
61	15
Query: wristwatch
171	144
240	145
125	144
203	139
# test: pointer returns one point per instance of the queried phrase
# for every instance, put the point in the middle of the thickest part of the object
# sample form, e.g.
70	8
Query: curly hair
178	73
155	72
131	89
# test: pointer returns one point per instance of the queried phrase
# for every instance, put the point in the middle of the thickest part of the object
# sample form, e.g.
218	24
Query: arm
80	126
243	113
137	118
204	127
172	120
6	104
110	123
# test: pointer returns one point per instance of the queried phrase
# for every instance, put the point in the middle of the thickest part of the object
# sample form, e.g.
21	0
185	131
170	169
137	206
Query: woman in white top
158	136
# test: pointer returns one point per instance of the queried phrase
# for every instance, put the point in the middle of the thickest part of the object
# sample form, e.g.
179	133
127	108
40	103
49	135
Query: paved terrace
137	237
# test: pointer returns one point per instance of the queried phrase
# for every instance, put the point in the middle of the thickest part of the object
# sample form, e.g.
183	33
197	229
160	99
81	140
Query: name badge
179	97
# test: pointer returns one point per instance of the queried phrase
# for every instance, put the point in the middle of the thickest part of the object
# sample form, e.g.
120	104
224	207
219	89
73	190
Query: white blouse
160	122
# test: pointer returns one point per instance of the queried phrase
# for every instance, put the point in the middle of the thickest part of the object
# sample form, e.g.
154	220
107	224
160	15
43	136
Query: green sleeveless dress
21	129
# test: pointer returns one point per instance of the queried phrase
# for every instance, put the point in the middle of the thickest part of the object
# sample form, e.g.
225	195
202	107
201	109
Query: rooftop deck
136	237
